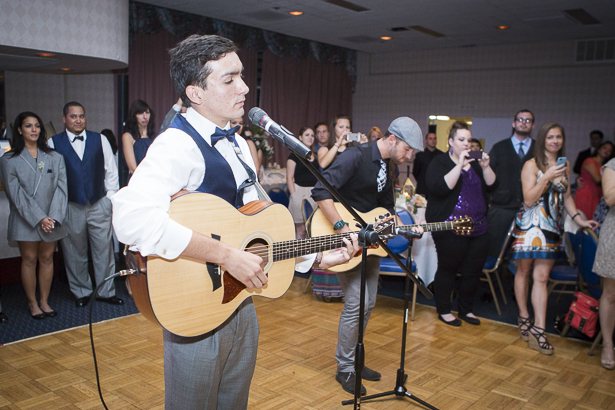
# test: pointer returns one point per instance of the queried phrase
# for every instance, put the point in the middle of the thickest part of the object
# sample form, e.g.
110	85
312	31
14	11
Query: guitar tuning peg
358	225
387	215
381	217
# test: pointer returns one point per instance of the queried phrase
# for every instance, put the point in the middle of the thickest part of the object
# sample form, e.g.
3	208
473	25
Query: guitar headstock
463	225
384	226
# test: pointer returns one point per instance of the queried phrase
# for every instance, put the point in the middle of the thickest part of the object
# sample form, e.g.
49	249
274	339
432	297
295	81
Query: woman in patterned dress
604	265
537	238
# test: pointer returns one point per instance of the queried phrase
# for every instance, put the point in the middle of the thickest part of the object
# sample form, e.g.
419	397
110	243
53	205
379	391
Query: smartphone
475	155
353	136
561	161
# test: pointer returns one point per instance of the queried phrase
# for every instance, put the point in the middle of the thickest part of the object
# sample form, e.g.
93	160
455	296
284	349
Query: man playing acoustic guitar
362	175
198	152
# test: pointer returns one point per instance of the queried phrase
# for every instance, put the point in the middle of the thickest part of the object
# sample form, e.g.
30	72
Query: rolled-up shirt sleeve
140	210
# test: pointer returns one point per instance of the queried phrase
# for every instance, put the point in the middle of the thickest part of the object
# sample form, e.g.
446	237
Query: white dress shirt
526	144
111	175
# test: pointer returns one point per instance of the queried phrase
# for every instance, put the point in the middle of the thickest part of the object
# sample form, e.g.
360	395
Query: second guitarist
362	175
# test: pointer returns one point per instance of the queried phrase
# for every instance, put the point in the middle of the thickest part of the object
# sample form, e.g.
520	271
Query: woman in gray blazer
35	181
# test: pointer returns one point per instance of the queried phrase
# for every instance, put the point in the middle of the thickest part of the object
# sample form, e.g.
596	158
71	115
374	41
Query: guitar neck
301	247
431	227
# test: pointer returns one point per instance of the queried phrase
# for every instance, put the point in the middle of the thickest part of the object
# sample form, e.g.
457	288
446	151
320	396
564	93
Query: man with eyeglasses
506	159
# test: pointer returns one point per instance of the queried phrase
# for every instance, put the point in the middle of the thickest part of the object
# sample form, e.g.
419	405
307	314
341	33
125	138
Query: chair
565	275
398	245
492	266
279	195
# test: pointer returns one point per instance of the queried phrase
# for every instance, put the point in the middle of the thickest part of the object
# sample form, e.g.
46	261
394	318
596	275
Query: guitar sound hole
232	287
260	247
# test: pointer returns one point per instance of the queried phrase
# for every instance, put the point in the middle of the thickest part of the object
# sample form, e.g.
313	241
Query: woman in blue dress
538	227
138	134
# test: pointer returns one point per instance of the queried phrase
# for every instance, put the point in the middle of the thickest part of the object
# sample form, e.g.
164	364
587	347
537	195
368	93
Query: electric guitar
320	225
190	297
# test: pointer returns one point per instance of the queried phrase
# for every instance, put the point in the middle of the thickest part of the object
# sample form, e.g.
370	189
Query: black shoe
40	316
370	375
51	313
82	302
455	322
113	300
347	382
471	320
3	318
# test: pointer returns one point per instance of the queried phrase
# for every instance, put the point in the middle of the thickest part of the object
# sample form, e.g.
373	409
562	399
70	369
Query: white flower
41	166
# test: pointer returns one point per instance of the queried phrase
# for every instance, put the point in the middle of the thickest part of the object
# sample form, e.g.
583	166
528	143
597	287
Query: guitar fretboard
301	247
432	226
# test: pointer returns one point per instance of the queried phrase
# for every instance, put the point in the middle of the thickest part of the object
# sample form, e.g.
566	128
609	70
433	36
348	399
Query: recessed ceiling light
502	27
443	117
385	38
45	54
65	69
296	13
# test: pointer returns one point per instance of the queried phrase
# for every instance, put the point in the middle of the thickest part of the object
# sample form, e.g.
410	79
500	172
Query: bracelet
335	145
317	261
575	215
339	225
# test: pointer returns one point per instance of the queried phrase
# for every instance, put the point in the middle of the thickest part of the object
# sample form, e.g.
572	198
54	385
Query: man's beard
523	133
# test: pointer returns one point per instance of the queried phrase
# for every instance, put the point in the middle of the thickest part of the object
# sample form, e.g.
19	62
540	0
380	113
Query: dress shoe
370	375
607	364
82	302
347	382
471	320
51	313
3	318
38	317
113	300
455	322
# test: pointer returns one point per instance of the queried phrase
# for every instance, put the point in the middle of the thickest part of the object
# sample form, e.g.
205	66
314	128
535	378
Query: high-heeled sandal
524	328
539	342
607	364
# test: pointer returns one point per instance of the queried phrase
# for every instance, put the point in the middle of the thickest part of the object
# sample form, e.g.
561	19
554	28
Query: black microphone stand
367	236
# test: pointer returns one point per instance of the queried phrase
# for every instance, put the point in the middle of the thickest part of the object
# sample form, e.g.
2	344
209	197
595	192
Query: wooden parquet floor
484	367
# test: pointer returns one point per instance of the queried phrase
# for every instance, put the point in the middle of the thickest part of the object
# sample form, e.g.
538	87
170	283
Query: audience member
538	231
604	265
507	158
322	136
341	126
34	177
459	187
138	134
300	181
363	178
422	161
375	134
247	135
168	119
588	196
602	210
475	145
112	141
595	139
92	179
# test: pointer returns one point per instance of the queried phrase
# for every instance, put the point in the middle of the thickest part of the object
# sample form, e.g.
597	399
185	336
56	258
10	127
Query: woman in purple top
458	187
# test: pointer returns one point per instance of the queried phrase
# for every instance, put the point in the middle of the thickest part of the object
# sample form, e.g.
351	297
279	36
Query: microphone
408	234
260	118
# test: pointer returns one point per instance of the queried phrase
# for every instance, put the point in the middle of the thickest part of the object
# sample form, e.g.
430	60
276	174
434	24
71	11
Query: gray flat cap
407	130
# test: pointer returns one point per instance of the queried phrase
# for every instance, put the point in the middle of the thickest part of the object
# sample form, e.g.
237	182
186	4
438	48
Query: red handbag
583	314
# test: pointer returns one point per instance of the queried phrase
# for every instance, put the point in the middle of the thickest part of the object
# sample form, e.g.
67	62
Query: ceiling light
65	69
443	117
385	38
502	27
45	54
432	117
296	13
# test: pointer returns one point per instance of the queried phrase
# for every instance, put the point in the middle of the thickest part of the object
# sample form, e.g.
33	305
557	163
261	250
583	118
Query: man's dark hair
318	124
190	57
71	104
598	132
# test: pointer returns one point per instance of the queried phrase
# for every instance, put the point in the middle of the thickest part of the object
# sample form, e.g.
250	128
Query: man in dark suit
92	179
595	139
507	158
422	160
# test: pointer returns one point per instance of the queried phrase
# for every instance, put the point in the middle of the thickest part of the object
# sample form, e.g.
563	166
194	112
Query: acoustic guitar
190	297
320	225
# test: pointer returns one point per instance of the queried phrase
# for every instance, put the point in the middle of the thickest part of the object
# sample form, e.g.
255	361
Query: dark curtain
298	92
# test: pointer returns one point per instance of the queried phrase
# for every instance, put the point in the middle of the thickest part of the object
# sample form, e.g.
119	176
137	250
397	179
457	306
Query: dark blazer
442	199
21	175
507	165
583	155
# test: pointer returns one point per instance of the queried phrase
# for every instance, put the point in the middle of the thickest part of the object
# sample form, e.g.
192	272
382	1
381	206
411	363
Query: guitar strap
262	195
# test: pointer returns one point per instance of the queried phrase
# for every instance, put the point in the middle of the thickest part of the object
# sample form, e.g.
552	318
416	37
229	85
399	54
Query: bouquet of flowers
262	144
415	202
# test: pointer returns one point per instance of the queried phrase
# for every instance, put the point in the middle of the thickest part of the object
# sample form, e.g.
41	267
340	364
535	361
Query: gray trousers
498	220
212	371
91	222
348	329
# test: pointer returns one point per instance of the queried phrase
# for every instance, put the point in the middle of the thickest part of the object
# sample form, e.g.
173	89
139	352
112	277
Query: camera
353	136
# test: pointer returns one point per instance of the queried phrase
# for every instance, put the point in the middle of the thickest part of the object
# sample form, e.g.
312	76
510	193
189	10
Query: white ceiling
463	22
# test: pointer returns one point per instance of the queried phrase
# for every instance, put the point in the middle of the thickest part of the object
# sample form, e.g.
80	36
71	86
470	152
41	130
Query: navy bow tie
220	134
78	137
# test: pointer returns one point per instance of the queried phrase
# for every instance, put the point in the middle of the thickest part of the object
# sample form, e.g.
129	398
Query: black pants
499	221
463	254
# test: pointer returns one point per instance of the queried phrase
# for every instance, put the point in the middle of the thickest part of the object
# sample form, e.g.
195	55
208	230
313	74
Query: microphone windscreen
256	115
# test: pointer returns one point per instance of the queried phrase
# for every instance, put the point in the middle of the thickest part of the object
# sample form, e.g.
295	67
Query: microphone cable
124	272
